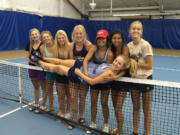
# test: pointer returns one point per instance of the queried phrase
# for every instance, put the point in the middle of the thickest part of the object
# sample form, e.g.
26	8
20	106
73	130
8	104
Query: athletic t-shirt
139	53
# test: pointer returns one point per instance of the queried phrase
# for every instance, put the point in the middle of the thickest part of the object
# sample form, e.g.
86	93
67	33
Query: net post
20	84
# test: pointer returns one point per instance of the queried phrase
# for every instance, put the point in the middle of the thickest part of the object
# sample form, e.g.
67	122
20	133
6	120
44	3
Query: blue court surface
15	119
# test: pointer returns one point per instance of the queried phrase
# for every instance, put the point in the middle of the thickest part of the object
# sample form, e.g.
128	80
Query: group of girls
72	64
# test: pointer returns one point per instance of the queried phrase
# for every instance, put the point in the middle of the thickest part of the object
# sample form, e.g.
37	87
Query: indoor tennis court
160	27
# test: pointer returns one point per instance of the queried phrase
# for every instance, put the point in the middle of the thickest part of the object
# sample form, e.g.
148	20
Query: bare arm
88	45
55	61
71	45
125	51
27	56
110	57
42	50
88	58
96	80
148	64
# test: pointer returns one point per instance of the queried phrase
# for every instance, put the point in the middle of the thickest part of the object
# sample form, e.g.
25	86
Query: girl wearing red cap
100	53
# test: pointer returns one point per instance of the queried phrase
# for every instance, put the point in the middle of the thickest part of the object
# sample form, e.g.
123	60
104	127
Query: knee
136	107
104	103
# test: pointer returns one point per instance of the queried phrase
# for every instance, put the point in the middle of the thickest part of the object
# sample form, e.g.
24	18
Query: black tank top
79	55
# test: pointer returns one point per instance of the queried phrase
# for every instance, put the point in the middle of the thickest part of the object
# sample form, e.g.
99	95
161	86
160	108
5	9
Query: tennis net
165	104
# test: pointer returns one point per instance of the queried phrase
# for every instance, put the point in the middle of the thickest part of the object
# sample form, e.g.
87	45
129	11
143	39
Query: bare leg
60	69
57	61
82	97
147	98
49	84
44	92
94	99
73	89
118	110
104	103
68	99
60	87
35	83
135	95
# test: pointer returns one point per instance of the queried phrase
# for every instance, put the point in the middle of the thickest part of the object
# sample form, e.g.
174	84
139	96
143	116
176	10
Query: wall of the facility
48	8
160	33
15	26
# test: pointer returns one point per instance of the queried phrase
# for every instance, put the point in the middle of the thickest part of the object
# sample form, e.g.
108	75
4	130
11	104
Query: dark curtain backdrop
15	26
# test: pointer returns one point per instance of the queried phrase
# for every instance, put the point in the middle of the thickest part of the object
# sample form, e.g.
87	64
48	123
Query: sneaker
92	125
106	128
43	108
67	116
36	108
31	108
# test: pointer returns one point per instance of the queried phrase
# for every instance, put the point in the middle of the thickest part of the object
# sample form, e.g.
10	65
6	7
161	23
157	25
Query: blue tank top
49	55
95	69
79	55
61	56
98	60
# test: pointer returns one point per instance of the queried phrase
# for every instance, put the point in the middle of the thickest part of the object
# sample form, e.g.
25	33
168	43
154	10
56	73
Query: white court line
12	111
19	108
170	69
14	58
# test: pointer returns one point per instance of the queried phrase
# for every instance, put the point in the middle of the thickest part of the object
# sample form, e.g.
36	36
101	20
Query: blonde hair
66	52
137	21
49	33
131	64
31	41
80	28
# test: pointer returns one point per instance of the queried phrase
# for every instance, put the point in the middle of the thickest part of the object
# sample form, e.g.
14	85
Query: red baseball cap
102	34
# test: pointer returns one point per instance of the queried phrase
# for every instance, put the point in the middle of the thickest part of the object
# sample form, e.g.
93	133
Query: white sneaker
92	125
31	108
43	108
106	128
67	116
36	108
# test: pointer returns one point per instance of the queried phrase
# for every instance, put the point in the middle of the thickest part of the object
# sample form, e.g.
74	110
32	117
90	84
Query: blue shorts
71	75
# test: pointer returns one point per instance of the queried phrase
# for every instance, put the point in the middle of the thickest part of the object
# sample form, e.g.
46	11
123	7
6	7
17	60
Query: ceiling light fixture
127	15
92	5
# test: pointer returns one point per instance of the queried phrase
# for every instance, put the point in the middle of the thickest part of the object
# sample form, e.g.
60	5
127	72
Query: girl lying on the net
74	69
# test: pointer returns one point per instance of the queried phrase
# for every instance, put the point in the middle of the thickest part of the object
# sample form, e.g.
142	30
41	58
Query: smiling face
61	39
136	30
118	64
34	35
116	40
79	36
47	38
101	42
